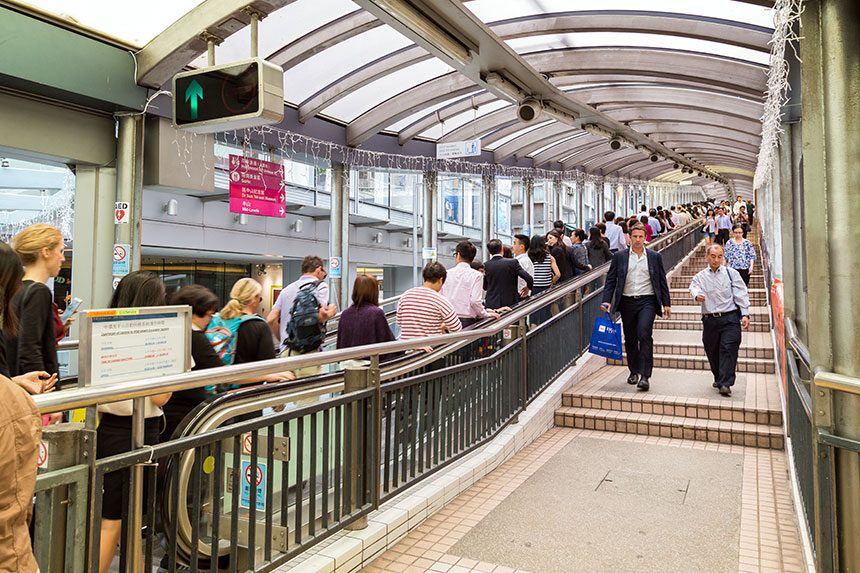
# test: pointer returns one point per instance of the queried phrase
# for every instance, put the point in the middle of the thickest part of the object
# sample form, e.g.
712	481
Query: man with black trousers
725	311
500	278
636	286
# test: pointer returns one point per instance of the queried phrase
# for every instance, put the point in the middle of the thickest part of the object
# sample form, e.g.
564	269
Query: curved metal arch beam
637	78
568	148
182	41
355	23
533	139
586	155
361	77
689	146
666	129
449	111
406	103
681	139
484	124
740	73
510	128
705	156
663	63
604	160
657	116
691	101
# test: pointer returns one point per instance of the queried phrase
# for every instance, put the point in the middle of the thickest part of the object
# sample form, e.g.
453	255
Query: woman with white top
710	228
138	289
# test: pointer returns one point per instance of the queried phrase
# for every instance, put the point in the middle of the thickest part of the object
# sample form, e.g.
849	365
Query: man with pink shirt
464	287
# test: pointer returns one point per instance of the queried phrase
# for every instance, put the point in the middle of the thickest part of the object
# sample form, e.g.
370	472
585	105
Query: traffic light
243	94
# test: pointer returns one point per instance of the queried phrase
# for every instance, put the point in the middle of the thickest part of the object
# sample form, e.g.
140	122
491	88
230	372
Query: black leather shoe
644	384
725	391
633	379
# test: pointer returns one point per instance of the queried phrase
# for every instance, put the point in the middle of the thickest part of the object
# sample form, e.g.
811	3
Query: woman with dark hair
740	253
21	431
113	436
363	322
710	227
507	252
478	266
598	249
649	231
546	273
555	242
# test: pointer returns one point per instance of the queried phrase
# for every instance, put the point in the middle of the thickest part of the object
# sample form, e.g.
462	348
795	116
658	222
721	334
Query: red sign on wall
257	187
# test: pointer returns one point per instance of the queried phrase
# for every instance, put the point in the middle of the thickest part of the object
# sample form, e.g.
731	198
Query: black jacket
617	276
500	281
35	347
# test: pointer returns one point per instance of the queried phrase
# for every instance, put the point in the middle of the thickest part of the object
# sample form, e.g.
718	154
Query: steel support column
487	230
129	185
799	229
428	222
831	136
339	233
528	206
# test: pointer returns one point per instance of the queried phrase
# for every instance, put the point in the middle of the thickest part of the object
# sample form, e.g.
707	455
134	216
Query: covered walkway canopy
681	83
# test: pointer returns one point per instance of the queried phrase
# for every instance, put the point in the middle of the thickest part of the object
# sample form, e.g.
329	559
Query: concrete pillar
95	193
428	221
831	145
489	203
129	188
339	233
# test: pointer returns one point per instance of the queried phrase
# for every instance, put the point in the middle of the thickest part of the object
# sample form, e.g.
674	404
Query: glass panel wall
218	277
589	205
460	199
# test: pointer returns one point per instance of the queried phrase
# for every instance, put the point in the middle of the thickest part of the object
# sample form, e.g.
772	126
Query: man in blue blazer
636	287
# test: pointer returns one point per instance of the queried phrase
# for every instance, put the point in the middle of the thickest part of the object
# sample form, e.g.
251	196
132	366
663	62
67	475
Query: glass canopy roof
692	72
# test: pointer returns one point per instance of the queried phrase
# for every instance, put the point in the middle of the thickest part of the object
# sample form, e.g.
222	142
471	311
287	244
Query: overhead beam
185	39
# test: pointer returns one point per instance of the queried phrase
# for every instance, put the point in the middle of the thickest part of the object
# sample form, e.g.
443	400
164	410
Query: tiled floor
768	539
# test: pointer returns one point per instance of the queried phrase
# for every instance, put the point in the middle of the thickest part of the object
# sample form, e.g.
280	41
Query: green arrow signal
194	92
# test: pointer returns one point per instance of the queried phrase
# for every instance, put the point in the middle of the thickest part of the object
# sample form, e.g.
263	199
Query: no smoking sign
121	264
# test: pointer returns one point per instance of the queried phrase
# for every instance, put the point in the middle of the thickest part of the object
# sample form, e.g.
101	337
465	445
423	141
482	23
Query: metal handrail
834	381
796	344
107	393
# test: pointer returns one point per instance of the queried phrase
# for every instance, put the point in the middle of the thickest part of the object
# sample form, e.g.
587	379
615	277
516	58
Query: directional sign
257	187
453	149
247	93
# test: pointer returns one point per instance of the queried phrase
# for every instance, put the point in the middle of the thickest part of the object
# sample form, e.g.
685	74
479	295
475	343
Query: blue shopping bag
605	338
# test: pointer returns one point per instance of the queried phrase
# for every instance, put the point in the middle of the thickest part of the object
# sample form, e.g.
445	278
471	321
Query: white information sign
428	253
123	344
453	149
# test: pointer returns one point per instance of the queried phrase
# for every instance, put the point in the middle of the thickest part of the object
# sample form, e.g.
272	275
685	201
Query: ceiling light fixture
559	115
171	207
504	86
615	143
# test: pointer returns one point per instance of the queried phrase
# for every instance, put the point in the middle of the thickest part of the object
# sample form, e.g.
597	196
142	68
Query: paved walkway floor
584	500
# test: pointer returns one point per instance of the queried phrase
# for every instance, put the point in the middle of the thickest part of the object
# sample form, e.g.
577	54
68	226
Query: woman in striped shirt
422	311
546	273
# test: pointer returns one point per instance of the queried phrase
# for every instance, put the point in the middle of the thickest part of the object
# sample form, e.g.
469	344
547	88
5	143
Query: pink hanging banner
257	187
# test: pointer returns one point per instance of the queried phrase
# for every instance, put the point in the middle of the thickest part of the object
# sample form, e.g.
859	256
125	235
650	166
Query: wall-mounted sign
122	344
335	268
453	149
121	257
121	213
259	479
257	187
428	253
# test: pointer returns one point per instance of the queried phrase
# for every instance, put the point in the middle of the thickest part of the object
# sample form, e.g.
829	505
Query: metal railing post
134	559
524	363
355	379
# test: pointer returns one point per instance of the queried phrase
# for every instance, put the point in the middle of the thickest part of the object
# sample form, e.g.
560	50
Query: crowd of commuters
447	301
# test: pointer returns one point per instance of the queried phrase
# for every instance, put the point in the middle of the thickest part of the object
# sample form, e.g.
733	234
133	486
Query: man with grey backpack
299	315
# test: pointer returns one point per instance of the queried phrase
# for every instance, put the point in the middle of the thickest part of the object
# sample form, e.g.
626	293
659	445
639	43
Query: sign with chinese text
453	149
257	187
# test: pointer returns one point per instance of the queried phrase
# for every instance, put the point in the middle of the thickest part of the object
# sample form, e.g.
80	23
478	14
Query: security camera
615	143
675	166
529	110
654	157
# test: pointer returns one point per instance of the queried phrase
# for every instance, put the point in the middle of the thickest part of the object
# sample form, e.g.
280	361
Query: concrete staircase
682	403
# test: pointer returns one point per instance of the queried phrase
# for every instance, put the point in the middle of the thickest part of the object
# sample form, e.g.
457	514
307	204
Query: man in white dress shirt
725	311
464	287
614	233
521	248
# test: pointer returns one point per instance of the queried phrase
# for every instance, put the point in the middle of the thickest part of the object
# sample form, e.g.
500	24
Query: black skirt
113	437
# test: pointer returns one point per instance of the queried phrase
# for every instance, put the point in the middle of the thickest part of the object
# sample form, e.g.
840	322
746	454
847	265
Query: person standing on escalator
464	287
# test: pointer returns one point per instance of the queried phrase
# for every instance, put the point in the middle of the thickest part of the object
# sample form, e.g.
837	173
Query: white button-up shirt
464	289
638	282
529	266
724	290
615	236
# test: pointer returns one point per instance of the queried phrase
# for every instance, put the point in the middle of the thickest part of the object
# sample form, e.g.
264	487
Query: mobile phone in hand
71	309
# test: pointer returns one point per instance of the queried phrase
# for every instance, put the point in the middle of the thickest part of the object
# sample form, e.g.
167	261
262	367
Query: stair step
696	349
755	365
696	315
677	324
714	431
725	410
684	298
